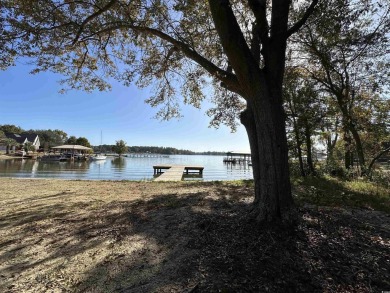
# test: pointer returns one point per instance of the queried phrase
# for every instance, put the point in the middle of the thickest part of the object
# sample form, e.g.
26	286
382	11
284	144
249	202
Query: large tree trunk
267	137
264	118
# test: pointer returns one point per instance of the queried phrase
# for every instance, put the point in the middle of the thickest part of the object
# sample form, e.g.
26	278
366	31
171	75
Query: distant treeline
154	150
50	138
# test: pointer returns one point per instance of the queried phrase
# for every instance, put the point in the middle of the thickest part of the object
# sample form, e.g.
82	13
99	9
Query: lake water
125	168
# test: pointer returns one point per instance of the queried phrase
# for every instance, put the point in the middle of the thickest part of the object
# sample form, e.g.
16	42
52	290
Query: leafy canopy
120	147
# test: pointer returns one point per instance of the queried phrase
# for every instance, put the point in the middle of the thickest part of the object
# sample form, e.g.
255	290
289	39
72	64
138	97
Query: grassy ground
105	236
329	191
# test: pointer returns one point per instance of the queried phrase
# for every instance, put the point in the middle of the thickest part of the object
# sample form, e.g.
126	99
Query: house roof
72	147
21	138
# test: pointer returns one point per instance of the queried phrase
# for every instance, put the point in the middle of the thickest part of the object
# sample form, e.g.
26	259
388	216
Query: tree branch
91	17
234	45
376	158
228	78
259	8
303	20
256	43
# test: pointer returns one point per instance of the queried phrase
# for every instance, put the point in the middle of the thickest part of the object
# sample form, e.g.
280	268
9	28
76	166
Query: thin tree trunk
329	149
348	163
309	147
349	126
359	148
299	147
331	144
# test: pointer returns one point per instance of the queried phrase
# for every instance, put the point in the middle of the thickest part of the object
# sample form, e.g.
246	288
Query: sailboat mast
101	140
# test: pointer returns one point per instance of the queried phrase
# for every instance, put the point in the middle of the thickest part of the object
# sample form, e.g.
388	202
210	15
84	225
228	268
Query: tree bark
359	148
248	120
348	161
349	127
309	147
300	158
265	127
299	146
331	144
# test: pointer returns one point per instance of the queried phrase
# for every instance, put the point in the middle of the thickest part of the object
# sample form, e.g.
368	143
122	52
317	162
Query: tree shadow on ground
190	240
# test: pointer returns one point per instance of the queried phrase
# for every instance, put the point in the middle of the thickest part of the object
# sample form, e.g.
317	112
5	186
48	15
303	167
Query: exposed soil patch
104	236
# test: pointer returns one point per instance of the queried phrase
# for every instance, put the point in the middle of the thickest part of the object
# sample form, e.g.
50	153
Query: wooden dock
175	172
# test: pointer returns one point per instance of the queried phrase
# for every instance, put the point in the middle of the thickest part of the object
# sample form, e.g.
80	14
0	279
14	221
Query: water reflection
98	168
35	168
119	163
16	165
233	166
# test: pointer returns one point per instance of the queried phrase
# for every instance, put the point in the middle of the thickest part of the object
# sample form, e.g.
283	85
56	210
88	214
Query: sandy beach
126	236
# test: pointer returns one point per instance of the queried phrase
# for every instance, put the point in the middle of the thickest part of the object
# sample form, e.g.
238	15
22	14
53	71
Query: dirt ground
106	236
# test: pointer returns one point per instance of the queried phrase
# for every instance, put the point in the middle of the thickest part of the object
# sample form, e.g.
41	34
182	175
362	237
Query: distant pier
237	158
146	155
139	155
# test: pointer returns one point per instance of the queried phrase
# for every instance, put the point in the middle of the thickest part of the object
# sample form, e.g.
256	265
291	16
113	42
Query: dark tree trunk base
287	218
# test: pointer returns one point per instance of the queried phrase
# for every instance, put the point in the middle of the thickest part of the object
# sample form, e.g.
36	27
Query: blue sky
34	102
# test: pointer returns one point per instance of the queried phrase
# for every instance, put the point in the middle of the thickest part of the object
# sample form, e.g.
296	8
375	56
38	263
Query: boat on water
53	158
98	157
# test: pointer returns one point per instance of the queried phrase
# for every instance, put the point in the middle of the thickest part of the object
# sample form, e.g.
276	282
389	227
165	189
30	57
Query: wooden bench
197	169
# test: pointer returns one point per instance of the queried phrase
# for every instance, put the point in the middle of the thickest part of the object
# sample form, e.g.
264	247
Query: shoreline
8	157
106	180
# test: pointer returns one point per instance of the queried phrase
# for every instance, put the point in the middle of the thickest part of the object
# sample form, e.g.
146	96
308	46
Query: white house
22	139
